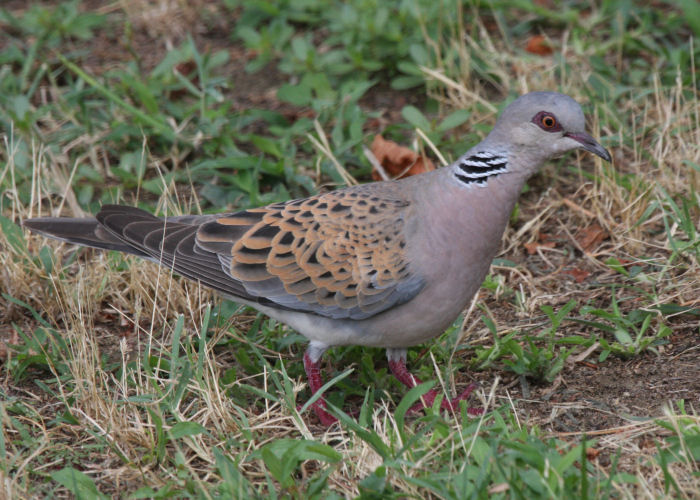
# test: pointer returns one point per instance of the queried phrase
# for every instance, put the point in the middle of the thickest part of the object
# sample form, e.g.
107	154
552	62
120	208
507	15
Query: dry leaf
187	70
588	364
590	237
579	274
532	247
539	45
543	240
398	161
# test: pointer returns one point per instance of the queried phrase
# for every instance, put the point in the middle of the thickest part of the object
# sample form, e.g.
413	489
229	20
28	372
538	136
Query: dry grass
123	313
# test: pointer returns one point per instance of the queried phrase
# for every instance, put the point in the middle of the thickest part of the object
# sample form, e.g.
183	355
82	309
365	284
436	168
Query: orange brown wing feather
340	254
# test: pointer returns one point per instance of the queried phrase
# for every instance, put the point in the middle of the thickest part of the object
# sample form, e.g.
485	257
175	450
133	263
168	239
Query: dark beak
590	144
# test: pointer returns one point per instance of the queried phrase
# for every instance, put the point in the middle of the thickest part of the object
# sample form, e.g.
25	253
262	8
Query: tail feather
82	231
167	241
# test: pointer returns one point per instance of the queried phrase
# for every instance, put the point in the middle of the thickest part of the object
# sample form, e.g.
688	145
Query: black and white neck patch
478	167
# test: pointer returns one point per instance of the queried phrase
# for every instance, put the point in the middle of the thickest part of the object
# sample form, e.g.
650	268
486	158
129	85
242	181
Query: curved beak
590	144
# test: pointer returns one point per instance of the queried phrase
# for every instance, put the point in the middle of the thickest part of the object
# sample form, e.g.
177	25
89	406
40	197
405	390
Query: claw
398	368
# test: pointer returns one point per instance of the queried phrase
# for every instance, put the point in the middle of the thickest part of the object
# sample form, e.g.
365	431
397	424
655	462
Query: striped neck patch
477	168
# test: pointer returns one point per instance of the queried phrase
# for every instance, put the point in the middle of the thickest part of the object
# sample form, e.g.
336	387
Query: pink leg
398	368
313	373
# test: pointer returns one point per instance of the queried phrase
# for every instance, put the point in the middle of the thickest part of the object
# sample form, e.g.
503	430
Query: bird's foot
398	368
447	404
313	373
320	409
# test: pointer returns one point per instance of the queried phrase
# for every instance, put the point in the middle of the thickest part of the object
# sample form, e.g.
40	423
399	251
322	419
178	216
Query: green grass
119	380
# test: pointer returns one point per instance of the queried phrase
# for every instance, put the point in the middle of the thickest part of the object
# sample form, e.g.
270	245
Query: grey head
542	125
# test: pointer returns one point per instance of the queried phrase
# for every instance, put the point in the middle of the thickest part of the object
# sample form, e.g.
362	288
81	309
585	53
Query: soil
589	396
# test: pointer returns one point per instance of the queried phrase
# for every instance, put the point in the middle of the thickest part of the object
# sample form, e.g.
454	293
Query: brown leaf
532	247
579	274
544	240
592	453
590	237
186	69
539	45
398	161
374	123
588	364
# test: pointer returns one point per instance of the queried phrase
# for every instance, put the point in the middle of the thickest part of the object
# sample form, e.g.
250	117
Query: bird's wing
340	255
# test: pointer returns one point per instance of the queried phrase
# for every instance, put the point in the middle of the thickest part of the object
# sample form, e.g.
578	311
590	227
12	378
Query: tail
91	232
168	241
81	231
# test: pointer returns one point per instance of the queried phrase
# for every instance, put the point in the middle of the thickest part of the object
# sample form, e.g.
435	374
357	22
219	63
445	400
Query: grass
120	380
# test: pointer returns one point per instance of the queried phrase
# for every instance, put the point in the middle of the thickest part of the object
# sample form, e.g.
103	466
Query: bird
388	264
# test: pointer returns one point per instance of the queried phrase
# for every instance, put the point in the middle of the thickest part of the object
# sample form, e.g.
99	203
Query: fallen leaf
539	45
397	161
532	247
592	453
647	443
588	364
187	70
374	123
293	114
590	237
579	274
543	241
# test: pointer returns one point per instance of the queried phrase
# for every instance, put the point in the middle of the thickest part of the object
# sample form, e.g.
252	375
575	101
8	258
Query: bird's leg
312	366
397	365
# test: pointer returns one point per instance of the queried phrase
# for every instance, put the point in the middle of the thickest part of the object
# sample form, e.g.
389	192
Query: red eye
546	121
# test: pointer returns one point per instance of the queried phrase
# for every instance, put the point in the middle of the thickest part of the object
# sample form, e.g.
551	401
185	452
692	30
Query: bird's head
545	125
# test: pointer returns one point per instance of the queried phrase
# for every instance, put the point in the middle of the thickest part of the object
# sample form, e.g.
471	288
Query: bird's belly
412	323
421	319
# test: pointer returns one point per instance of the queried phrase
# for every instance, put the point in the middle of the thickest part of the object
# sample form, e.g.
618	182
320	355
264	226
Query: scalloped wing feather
340	255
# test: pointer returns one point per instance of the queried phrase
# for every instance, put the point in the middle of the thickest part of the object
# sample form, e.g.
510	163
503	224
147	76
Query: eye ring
547	121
